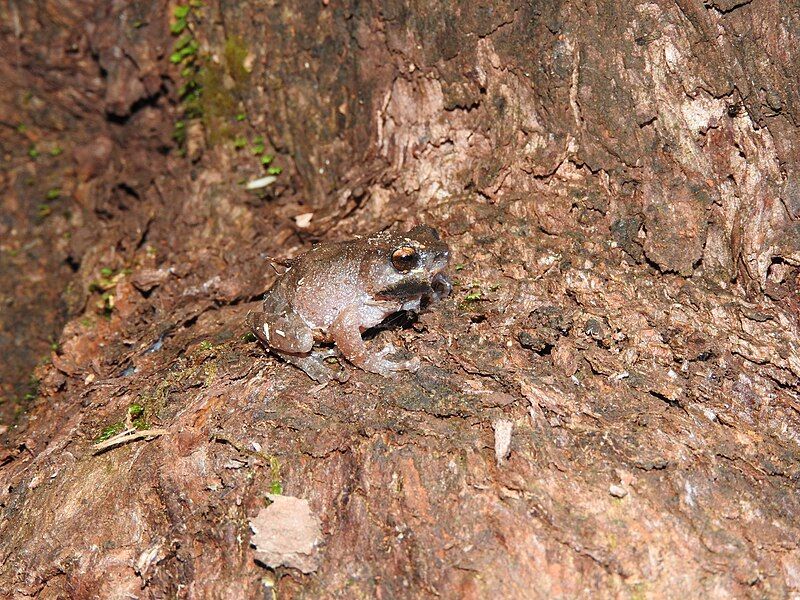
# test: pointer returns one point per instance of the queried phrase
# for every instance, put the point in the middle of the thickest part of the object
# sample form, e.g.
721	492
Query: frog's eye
405	258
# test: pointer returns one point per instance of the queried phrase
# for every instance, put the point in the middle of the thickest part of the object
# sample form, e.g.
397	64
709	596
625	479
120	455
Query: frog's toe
311	366
406	365
318	373
413	364
315	368
342	375
386	351
389	368
326	353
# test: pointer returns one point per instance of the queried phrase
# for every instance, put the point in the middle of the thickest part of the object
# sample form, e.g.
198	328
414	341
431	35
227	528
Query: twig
129	435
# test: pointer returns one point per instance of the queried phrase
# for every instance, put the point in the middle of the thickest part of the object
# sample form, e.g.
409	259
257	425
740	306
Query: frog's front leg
346	332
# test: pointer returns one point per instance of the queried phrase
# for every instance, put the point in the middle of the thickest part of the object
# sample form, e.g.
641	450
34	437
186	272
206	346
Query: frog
337	290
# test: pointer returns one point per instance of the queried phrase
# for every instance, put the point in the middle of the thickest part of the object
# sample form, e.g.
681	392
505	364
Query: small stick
129	435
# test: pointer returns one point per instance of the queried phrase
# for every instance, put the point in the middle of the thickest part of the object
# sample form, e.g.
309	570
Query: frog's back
323	281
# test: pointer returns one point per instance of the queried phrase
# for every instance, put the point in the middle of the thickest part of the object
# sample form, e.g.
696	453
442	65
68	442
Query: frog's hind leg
297	348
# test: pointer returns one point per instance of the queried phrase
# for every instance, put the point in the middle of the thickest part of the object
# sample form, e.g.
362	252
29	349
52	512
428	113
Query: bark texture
620	185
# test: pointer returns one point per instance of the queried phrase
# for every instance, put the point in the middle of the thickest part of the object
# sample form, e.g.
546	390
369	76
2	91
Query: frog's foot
341	375
322	354
377	363
388	348
314	366
388	368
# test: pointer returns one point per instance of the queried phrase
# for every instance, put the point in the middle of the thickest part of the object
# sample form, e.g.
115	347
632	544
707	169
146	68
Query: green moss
135	415
135	410
106	284
106	303
218	103
33	388
211	91
275	486
43	211
110	431
185	52
258	146
190	368
473	296
235	55
185	49
210	372
179	133
639	591
181	12
178	26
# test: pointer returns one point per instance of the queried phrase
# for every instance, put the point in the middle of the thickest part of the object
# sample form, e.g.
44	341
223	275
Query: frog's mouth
410	288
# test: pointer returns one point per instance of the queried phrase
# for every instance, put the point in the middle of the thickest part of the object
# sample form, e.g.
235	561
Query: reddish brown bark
619	185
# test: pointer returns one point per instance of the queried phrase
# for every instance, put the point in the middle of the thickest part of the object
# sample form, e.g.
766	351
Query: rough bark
620	185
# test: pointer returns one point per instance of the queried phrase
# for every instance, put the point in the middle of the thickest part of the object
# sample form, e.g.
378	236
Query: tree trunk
620	187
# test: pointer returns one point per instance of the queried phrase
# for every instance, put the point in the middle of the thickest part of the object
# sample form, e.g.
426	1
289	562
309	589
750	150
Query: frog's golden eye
405	258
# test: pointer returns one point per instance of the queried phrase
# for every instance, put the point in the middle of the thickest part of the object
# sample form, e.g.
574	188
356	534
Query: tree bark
620	187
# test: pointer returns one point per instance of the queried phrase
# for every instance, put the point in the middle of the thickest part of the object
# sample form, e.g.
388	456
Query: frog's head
404	266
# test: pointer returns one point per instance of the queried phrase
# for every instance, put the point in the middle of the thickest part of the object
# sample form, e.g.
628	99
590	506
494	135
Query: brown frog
335	291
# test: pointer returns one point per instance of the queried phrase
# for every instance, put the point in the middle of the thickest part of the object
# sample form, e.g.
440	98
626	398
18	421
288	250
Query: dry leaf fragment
502	439
286	533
